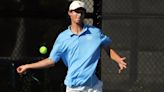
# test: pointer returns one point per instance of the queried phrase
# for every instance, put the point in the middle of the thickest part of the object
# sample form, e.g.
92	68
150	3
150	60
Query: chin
78	22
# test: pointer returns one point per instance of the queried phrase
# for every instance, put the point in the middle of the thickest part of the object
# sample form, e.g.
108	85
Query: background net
135	27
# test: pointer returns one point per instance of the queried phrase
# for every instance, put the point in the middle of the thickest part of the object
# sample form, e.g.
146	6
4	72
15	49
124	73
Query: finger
18	69
123	58
119	71
124	66
123	63
121	68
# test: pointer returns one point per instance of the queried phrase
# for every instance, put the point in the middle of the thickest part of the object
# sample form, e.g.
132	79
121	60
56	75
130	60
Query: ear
69	13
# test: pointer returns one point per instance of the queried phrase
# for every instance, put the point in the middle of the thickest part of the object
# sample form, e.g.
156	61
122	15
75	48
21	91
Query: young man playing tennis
79	48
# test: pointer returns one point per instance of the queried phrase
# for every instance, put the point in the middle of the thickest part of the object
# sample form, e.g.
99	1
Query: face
77	15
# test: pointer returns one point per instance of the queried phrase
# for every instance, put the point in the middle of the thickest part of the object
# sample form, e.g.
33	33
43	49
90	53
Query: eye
79	11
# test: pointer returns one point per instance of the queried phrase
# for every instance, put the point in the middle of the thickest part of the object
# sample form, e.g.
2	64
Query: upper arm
107	49
105	40
57	50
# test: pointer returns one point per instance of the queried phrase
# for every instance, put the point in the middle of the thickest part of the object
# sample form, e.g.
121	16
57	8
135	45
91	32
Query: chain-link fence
26	25
135	27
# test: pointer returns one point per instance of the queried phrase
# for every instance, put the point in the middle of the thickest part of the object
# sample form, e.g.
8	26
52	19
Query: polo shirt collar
70	32
85	28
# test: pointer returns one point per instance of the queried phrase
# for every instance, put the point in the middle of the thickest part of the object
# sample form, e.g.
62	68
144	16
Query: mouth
78	19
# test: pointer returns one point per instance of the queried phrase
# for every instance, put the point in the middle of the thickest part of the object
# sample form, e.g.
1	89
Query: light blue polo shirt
80	53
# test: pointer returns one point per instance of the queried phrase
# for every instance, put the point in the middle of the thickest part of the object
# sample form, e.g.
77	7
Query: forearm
114	56
117	58
45	63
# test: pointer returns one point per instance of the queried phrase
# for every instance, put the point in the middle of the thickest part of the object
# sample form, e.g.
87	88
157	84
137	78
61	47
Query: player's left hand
122	64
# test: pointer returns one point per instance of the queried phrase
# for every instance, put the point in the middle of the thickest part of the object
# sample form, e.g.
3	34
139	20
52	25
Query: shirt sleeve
56	51
105	40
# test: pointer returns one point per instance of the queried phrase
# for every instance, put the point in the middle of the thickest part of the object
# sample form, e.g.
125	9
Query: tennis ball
43	50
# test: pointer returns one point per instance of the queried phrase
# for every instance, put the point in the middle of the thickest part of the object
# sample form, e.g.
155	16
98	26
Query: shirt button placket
78	39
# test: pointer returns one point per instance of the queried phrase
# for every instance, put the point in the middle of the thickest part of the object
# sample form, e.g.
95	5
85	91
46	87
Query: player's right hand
22	69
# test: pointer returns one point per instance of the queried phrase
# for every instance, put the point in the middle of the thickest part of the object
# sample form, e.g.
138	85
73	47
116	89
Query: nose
79	14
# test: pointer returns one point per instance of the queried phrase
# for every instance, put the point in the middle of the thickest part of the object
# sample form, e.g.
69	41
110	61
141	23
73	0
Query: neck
76	28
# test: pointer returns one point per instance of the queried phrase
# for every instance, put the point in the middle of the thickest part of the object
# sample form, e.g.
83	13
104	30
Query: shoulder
93	29
63	35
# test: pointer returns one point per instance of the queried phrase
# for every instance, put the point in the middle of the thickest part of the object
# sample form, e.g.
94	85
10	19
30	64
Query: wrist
27	66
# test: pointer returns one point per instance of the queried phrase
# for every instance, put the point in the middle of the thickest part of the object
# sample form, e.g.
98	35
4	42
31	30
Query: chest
86	41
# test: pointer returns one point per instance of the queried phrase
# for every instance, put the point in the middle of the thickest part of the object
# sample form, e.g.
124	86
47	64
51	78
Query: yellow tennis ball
43	50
